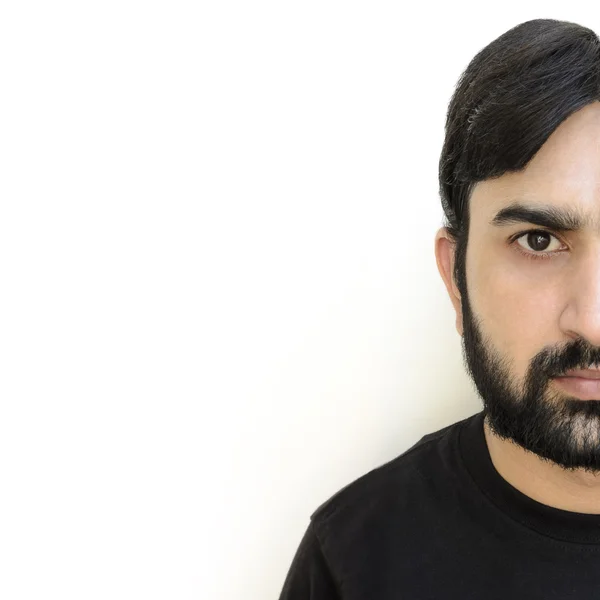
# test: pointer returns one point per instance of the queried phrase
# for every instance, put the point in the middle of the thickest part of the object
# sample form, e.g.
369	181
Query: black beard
556	427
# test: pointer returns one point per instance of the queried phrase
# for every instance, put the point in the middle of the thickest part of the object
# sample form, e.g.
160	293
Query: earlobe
459	323
445	250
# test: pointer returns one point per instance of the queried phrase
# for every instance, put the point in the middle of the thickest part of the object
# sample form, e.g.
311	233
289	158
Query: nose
581	316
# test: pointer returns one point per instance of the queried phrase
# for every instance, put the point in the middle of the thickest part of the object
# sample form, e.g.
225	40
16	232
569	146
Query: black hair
513	94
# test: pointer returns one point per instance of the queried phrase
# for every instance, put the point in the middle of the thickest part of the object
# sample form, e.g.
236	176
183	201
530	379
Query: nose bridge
583	310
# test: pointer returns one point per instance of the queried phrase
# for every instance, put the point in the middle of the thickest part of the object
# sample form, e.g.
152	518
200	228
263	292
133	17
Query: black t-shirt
439	522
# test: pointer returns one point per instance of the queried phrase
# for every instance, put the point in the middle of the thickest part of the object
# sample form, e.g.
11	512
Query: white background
219	301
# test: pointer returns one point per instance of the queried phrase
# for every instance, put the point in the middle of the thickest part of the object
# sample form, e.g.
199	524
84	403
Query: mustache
555	362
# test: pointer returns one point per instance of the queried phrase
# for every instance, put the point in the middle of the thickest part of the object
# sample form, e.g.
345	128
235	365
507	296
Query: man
506	503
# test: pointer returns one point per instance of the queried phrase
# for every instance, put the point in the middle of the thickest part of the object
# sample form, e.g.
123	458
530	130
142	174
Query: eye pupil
538	241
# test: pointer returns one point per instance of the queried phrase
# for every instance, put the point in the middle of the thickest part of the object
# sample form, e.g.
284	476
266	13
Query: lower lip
584	389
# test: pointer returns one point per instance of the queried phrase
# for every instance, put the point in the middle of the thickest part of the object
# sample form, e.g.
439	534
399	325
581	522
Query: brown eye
537	241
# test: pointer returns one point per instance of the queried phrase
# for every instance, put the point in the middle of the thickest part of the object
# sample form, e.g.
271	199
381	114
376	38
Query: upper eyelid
536	230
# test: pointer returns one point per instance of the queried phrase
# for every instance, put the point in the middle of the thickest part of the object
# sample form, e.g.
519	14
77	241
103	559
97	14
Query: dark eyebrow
559	219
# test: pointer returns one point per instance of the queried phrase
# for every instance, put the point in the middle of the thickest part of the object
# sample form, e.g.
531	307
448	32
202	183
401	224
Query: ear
445	251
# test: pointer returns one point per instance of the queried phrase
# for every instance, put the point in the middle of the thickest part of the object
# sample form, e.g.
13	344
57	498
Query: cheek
519	311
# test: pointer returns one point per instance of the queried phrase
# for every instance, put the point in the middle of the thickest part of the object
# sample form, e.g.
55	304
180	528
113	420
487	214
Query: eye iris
538	241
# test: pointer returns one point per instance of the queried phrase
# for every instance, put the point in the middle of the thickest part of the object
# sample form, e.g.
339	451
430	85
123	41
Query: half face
531	311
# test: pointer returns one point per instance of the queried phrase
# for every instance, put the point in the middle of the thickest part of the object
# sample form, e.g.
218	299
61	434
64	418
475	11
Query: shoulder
372	528
386	492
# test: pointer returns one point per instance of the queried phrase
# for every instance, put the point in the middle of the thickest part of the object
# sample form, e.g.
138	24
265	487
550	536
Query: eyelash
538	255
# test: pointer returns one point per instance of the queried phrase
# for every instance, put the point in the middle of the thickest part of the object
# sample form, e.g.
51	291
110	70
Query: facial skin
526	321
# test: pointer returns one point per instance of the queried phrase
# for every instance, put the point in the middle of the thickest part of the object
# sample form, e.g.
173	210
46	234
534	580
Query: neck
545	482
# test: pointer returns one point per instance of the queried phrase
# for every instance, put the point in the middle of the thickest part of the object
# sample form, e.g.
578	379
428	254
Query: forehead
564	175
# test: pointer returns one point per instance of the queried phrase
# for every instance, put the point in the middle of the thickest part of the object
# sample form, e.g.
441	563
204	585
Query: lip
585	388
585	373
